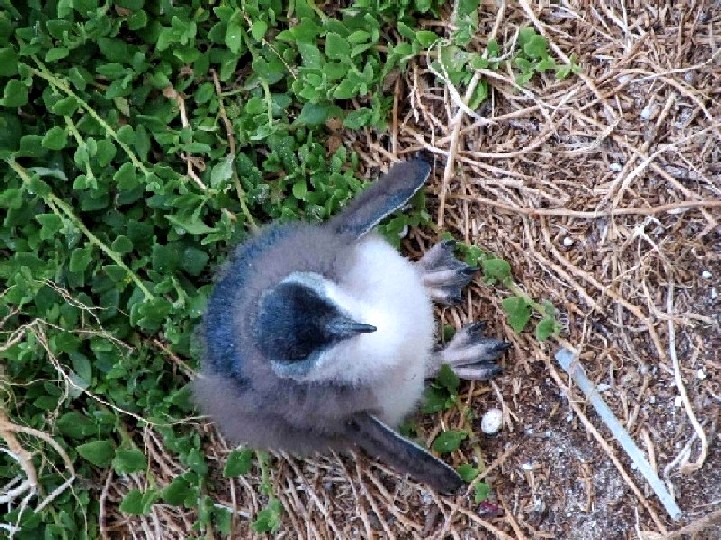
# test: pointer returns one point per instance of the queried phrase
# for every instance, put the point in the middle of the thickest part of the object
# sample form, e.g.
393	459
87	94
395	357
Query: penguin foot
443	274
471	354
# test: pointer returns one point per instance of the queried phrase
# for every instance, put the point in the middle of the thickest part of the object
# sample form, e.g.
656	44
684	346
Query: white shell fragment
492	421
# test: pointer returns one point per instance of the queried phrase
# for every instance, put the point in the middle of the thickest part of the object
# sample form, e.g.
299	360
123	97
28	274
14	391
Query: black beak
344	328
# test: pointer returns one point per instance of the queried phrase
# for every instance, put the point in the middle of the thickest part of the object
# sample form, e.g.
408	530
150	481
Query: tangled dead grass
604	193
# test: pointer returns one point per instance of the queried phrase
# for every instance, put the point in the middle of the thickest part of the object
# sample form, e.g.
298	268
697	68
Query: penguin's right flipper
381	442
386	195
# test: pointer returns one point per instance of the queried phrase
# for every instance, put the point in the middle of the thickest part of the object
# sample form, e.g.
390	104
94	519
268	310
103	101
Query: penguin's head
298	321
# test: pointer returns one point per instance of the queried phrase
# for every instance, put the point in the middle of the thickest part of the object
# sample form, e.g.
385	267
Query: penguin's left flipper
381	442
443	274
383	197
471	354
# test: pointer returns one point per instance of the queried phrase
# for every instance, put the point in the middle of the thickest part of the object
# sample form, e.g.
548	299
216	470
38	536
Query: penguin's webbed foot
443	274
470	354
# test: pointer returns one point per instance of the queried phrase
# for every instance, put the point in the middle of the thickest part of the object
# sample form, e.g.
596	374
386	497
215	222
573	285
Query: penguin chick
320	337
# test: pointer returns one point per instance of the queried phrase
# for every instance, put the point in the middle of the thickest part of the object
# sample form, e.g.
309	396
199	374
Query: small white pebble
677	401
714	293
527	467
652	399
492	421
568	241
648	111
700	374
706	274
602	387
616	167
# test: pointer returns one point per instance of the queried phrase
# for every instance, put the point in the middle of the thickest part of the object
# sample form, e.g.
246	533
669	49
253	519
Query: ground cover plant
139	140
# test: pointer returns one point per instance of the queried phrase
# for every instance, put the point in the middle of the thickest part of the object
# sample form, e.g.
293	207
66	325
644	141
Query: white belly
385	289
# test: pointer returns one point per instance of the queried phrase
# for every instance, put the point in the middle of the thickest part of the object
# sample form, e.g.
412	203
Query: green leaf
358	118
55	138
435	400
16	94
518	311
75	425
194	261
312	57
268	519
80	259
546	328
191	224
177	491
448	441
132	503
315	114
65	106
336	47
138	502
12	198
482	491
467	472
196	461
448	379
8	62
129	460
239	462
536	47
56	53
496	269
51	225
234	34
258	29
426	38
99	453
122	244
222	172
300	190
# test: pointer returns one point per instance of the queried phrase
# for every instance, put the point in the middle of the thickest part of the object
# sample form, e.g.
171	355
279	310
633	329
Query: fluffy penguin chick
321	336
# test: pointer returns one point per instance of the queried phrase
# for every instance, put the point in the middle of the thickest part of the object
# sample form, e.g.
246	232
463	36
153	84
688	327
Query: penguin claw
444	276
472	355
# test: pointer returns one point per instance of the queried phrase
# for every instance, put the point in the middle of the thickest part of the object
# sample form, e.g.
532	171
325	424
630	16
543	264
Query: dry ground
604	193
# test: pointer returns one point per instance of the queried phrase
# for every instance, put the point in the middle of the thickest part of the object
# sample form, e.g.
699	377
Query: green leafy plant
534	57
519	308
442	393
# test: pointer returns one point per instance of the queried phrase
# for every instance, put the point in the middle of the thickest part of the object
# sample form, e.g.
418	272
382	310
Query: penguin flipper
386	195
381	442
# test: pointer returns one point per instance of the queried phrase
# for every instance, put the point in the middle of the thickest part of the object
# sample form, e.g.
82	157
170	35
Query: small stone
568	241
648	111
700	374
706	274
492	421
677	401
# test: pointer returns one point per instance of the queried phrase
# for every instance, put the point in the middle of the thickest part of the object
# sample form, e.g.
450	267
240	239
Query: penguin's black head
297	322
